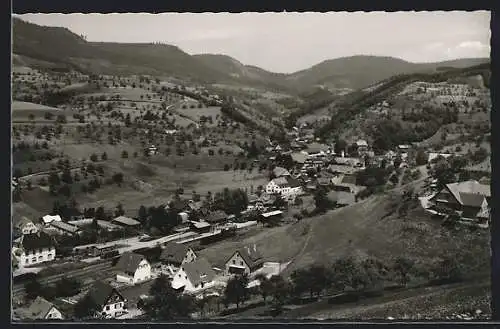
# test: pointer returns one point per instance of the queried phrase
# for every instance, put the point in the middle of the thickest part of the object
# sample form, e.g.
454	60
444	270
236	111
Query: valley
362	177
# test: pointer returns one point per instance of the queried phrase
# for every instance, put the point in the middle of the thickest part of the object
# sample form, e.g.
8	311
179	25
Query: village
302	169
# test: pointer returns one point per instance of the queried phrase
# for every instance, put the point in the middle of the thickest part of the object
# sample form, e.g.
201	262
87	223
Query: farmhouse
287	187
133	268
126	221
346	183
244	261
65	228
47	219
470	199
176	254
41	309
194	276
35	248
25	226
109	301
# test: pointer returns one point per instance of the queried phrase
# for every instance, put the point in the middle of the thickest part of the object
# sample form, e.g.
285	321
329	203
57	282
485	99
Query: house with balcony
110	303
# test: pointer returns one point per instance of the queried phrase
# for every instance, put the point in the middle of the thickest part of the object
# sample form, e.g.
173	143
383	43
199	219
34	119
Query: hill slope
358	72
59	45
34	43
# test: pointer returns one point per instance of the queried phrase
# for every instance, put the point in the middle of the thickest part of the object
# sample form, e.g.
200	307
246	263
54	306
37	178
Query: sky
289	42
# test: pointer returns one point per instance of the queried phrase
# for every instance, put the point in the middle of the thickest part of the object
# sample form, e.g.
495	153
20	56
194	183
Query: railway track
88	271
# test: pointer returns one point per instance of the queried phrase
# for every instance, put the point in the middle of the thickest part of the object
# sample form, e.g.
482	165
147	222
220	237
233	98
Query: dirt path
286	271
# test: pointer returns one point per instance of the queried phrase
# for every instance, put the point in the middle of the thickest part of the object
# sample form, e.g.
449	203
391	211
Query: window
185	277
107	307
40	258
33	260
234	261
241	263
27	261
180	275
117	305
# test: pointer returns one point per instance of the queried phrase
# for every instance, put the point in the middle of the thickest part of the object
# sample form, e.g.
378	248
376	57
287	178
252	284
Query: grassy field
371	228
23	110
277	244
148	184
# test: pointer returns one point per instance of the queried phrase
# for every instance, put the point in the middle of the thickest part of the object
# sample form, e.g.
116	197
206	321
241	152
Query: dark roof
39	309
251	255
129	262
174	252
199	271
216	216
100	292
471	199
37	240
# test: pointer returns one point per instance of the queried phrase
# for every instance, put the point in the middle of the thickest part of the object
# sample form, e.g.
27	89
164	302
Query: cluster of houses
316	164
188	272
34	242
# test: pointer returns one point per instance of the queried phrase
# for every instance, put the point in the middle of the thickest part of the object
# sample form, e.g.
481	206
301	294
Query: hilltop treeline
357	102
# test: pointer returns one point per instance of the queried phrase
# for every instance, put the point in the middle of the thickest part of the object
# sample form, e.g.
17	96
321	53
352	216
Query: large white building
34	249
133	268
285	186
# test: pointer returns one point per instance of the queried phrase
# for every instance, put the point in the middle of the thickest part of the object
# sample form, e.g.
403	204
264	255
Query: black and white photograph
223	167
